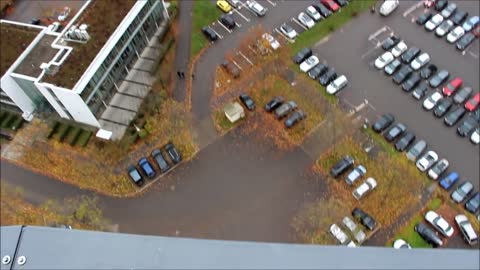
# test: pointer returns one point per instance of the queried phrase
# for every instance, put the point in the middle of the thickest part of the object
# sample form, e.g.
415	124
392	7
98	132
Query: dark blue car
450	180
146	167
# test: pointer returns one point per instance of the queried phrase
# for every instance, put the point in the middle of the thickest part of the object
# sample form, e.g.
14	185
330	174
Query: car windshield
287	28
134	174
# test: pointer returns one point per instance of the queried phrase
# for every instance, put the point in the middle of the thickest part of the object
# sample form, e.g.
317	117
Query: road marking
370	51
228	30
236	64
241	15
322	41
285	37
272	3
246	58
238	25
412	8
297	22
220	36
378	32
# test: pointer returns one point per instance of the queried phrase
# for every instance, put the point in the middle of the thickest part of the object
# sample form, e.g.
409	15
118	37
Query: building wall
17	95
53	101
75	106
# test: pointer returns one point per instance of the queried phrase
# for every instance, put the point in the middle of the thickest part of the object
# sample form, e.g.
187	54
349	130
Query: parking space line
241	15
272	3
236	64
228	30
246	58
412	8
220	36
301	25
370	51
248	8
238	25
286	38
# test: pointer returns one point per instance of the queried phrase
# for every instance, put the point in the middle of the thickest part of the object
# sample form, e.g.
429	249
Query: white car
337	232
337	85
365	188
308	64
439	223
313	12
388	7
234	3
444	28
427	160
420	61
475	138
455	34
438	169
271	40
432	100
400	48
400	243
256	8
288	31
384	60
356	231
467	229
434	22
306	20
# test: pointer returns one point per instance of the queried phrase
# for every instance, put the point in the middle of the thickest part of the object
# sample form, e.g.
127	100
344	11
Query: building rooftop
13	42
102	18
43	52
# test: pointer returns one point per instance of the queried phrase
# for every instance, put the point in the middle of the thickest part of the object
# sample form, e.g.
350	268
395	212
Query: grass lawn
222	124
204	13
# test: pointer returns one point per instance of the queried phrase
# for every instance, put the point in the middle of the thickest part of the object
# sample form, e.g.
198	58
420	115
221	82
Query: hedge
53	130
6	122
62	130
84	138
73	135
17	123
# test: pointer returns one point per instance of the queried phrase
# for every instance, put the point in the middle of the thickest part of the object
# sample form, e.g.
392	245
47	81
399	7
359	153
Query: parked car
313	13
364	218
228	21
390	42
465	41
324	11
423	18
135	176
231	68
429	3
342	166
392	67
355	174
428	235
420	90
234	3
448	181
420	61
440	4
400	48
454	115
476	31
328	77
357	233
309	63
256	8
295	118
146	167
384	60
317	71
410	54
405	141
383	122
455	34
427	71
462	192
471	23
435	21
412	82
459	17
161	162
224	6
400	243
462	94
337	232
304	19
284	109
330	4
342	3
466	229
395	132
444	28
452	86
289	32
173	153
473	203
416	150
402	74
388	7
467	126
302	55
475	137
439	223
337	85
432	100
426	161
439	78
449	10
442	107
247	101
365	188
437	169
274	103
274	44
209	33
472	103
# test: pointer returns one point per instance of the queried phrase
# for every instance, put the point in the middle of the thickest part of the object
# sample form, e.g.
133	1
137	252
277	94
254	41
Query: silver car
356	231
462	192
256	8
416	150
449	10
444	28
355	174
337	232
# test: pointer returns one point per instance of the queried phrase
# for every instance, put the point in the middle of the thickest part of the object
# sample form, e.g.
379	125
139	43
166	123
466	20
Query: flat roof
41	53
102	18
13	42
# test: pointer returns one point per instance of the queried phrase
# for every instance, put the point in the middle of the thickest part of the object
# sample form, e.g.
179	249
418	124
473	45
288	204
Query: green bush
3	114
62	132
84	138
143	133
73	135
6	122
17	123
53	130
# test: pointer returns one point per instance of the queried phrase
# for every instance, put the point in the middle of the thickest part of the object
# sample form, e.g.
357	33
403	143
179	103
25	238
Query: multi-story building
76	70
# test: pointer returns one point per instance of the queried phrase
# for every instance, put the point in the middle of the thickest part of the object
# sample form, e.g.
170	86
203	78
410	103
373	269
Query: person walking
179	74
193	76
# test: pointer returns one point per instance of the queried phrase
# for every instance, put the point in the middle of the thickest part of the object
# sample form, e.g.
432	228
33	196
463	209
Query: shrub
73	136
84	138
143	133
64	132
17	123
6	122
53	130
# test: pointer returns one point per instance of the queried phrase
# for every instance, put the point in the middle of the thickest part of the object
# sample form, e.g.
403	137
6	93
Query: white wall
52	101
75	106
15	93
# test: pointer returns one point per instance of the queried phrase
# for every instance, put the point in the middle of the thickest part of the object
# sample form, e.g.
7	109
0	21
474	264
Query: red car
330	4
452	86
429	3
472	103
476	31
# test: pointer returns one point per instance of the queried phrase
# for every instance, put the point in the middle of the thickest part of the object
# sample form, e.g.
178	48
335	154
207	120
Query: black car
302	55
427	71
459	17
294	118
329	76
454	115
209	33
413	81
173	153
390	42
228	21
392	67
440	4
405	141
247	101
464	41
462	95
161	162
274	103
439	78
442	107
420	90
323	10
473	203
429	235
402	74
342	166
394	132
35	21
422	19
317	71
364	218
383	122
410	54
467	126
342	3
135	175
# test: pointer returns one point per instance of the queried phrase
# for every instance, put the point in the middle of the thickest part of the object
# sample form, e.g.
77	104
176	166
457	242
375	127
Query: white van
388	7
467	229
337	85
